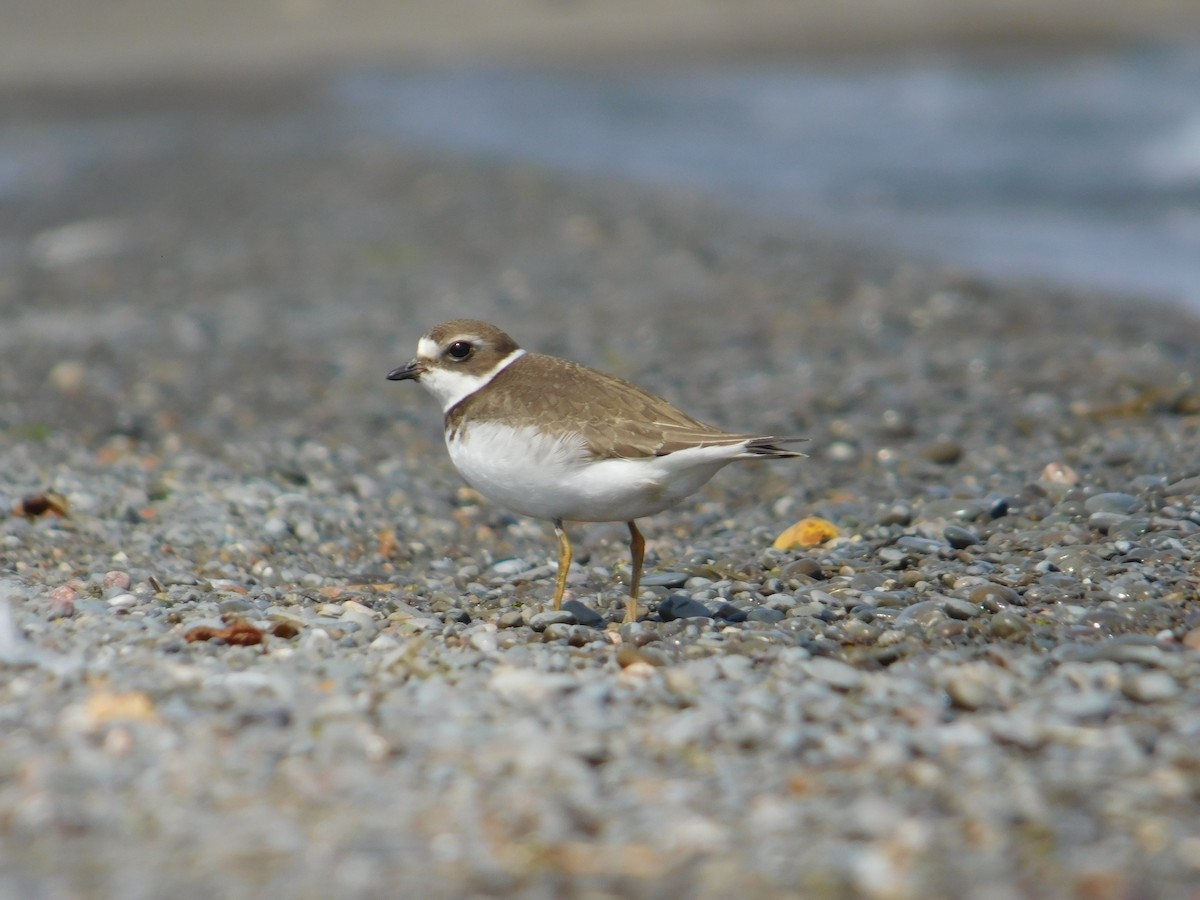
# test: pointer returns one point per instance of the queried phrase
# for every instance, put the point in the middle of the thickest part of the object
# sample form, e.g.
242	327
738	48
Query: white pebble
123	601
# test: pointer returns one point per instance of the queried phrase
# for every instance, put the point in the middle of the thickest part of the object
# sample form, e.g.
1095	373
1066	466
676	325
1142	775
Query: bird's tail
769	447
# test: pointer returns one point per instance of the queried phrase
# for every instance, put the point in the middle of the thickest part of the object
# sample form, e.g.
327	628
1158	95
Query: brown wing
616	419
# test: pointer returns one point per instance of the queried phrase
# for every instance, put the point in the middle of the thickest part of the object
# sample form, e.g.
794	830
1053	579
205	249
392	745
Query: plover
553	439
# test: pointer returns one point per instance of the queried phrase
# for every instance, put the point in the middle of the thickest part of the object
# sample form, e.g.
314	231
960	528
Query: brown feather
615	419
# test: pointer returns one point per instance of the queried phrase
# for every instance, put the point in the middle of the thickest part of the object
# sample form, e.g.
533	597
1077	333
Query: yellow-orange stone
807	532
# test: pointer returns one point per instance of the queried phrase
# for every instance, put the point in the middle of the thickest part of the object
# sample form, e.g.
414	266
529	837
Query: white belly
548	478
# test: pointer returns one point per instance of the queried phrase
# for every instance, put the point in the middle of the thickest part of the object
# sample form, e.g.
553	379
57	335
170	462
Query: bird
556	440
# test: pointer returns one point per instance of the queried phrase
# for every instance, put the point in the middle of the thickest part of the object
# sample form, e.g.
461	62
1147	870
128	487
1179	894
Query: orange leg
637	550
564	562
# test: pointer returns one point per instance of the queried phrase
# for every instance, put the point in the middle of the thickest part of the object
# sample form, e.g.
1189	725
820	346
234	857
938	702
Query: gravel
257	639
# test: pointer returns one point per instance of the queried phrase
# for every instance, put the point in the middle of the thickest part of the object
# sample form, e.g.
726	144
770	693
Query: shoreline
66	42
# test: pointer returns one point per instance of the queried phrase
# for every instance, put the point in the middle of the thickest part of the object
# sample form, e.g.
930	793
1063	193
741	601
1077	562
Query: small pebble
1057	479
965	508
62	601
1150	687
765	614
665	579
484	639
583	614
1106	521
969	687
681	606
919	545
896	514
68	376
507	568
540	621
729	613
957	608
923	613
1084	704
118	580
123	601
835	673
960	538
1116	503
1006	626
944	452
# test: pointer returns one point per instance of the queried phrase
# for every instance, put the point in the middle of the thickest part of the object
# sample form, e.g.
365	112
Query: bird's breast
554	477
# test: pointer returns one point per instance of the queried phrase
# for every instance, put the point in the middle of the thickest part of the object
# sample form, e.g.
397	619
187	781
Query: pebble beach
257	639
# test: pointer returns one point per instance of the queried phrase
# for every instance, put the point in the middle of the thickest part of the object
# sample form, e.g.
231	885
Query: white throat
451	386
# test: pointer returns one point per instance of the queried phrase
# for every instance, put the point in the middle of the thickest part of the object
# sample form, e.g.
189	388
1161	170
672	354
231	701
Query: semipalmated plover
553	439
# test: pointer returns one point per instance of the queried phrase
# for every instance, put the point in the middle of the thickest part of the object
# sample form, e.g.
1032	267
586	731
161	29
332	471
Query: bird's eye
459	350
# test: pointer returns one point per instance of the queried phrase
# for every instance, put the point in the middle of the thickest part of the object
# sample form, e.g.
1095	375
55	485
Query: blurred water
1084	171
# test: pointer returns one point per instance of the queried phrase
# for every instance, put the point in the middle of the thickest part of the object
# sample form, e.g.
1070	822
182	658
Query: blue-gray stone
960	538
765	614
1112	502
541	621
665	579
923	546
681	606
584	614
729	613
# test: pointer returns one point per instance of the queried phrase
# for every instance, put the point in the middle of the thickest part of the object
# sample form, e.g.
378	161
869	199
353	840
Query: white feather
555	478
450	385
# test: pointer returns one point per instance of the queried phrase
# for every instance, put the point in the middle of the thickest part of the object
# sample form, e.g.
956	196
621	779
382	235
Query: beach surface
257	639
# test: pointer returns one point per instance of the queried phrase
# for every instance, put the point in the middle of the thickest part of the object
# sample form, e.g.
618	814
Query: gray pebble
730	613
968	688
919	545
782	602
123	601
1131	649
1008	626
1131	528
1185	487
924	613
510	619
559	631
888	599
957	608
234	606
1150	687
1120	504
542	620
275	528
1022	731
1106	521
944	452
1084	704
364	622
507	568
966	509
960	538
666	579
896	514
681	606
584	614
834	673
765	614
484	639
